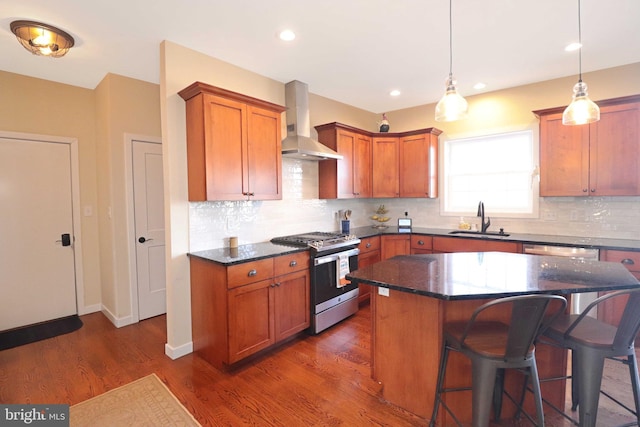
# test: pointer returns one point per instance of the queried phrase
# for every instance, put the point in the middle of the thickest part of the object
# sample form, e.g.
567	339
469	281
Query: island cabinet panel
611	311
455	244
378	164
418	170
394	244
386	174
421	244
233	145
350	177
598	159
369	254
239	310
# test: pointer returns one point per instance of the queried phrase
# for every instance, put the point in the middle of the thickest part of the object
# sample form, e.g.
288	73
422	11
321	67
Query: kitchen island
417	294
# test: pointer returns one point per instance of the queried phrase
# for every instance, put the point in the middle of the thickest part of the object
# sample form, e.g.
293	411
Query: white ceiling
353	51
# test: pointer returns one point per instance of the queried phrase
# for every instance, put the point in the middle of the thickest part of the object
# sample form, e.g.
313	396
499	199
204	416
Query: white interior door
37	280
149	228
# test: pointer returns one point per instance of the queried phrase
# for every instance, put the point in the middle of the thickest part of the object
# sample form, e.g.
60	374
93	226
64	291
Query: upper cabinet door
615	151
362	166
264	154
564	158
419	165
386	181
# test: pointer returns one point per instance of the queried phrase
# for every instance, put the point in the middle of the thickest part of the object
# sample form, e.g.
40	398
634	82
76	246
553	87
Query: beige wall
99	120
123	106
42	107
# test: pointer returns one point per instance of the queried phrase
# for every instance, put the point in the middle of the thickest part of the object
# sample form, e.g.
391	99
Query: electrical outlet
383	291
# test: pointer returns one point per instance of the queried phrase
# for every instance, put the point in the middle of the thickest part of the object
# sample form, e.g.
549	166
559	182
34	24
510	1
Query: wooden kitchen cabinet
386	163
233	145
378	164
421	244
394	244
350	177
418	170
369	254
456	244
598	159
611	311
241	309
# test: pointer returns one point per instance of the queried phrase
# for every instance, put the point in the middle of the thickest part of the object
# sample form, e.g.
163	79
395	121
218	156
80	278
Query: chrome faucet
483	226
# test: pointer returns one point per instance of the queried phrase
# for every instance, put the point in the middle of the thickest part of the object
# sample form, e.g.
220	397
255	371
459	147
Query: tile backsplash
300	210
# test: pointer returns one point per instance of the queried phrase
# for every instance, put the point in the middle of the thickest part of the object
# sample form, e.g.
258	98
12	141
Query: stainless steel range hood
298	143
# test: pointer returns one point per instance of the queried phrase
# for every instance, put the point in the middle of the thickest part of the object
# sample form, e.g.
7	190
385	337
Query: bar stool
493	346
591	341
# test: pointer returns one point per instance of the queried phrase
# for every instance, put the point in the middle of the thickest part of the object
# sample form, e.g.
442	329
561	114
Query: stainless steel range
333	255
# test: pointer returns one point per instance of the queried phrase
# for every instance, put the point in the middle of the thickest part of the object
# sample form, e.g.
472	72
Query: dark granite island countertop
477	275
417	294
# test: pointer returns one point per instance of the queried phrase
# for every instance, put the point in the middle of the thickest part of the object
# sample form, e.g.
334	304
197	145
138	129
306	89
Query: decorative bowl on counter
380	217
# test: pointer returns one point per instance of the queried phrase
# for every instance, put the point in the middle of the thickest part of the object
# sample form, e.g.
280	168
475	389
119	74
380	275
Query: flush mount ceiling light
582	110
42	39
452	106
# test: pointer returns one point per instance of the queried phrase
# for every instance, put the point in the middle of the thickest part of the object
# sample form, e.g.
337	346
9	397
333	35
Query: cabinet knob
584	190
421	242
252	273
627	261
593	190
293	263
368	245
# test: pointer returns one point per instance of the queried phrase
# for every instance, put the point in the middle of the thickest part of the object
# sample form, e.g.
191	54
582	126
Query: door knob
142	240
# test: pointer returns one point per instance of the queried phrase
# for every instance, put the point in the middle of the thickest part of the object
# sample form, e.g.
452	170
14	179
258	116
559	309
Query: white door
149	228
37	271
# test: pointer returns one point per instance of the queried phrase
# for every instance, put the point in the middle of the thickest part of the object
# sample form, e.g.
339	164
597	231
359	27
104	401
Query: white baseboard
176	352
118	322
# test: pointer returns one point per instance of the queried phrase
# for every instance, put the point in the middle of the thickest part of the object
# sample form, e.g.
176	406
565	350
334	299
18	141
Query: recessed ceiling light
287	35
479	86
394	92
573	46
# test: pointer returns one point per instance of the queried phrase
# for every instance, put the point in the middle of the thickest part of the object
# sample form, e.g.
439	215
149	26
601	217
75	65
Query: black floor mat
40	331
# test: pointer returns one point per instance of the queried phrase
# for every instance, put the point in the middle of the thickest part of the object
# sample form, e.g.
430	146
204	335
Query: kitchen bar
416	294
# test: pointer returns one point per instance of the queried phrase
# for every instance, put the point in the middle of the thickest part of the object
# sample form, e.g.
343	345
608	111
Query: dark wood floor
319	380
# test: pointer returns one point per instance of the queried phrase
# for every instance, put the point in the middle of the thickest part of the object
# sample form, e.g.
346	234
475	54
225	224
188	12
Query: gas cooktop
318	240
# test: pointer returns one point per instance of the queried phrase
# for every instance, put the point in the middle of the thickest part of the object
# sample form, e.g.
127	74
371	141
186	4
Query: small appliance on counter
404	224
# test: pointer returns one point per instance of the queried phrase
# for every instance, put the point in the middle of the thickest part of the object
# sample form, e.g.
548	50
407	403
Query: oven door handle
335	257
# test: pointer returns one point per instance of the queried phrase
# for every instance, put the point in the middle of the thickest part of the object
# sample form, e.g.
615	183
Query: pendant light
582	110
452	106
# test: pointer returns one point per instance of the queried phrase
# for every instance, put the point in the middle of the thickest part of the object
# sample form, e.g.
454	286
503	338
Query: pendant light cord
450	42
580	43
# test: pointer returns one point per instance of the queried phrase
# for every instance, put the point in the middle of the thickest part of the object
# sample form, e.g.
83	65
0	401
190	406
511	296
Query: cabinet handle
252	273
368	245
584	190
421	242
593	190
273	285
627	261
293	263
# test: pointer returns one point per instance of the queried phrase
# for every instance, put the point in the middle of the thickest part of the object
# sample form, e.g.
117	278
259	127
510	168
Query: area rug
144	402
39	331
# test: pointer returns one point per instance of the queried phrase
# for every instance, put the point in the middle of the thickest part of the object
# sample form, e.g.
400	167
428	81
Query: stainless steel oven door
332	301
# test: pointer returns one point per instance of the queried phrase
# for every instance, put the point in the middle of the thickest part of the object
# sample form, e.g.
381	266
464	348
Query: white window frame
485	194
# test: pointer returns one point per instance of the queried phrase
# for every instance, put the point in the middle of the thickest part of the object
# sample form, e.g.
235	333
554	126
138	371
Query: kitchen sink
500	233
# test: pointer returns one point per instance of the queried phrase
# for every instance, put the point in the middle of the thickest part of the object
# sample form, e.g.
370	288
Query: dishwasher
579	301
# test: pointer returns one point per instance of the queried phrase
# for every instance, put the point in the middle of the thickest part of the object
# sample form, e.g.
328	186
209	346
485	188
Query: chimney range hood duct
298	143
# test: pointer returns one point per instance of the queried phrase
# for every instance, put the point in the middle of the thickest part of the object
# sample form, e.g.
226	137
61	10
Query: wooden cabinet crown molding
602	103
199	87
336	125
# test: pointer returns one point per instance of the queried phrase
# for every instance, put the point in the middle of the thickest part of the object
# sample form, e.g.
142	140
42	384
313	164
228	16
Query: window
497	169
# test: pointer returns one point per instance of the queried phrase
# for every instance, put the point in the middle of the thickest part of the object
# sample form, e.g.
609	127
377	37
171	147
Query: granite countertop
477	275
245	253
585	242
257	251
